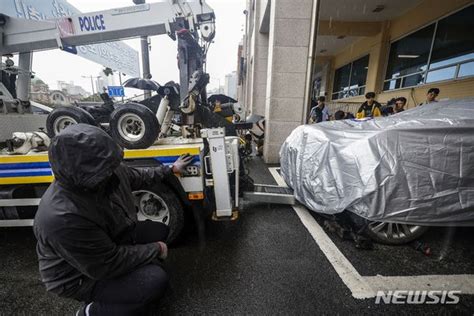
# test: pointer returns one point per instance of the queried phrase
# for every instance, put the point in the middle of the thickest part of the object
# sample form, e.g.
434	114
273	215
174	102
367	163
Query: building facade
67	94
297	50
230	85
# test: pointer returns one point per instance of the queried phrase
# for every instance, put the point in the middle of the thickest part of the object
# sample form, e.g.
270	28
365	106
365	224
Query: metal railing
343	106
399	81
353	92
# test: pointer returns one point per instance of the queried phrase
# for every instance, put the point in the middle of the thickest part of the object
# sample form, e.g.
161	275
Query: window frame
350	77
428	70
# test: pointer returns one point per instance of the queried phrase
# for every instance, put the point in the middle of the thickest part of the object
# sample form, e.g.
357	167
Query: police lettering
92	23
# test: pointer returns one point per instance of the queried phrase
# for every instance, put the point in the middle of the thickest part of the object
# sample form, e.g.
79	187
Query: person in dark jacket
369	108
319	111
400	103
90	245
431	96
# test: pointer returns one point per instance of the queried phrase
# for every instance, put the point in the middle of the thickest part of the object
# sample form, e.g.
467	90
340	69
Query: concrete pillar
377	60
289	41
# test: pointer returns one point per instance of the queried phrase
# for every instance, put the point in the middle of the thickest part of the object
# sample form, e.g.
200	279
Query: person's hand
180	164
163	250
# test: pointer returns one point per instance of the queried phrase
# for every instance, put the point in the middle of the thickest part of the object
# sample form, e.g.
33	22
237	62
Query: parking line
363	287
352	279
455	282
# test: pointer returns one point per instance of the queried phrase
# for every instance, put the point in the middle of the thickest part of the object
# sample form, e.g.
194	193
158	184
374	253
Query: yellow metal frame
26	180
24	158
160	152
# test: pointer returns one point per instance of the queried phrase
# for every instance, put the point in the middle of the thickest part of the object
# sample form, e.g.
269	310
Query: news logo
417	297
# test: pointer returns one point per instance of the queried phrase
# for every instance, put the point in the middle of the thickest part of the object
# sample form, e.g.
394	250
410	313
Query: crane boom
20	35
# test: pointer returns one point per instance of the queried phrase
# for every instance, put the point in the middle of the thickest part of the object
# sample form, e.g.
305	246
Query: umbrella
222	98
142	84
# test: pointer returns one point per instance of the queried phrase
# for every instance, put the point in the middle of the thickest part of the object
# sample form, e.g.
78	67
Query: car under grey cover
415	167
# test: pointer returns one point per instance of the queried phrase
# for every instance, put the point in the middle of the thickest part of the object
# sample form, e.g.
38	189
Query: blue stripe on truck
31	169
24	165
25	172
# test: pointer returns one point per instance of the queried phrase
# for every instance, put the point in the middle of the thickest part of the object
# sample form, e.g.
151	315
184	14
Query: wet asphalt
265	263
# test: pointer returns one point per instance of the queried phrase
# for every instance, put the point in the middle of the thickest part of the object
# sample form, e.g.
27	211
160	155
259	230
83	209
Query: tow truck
211	184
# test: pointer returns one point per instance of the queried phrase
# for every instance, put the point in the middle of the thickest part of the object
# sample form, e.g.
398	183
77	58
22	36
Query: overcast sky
55	65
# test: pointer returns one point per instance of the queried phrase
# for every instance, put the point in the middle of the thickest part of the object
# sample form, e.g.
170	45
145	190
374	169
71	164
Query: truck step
272	194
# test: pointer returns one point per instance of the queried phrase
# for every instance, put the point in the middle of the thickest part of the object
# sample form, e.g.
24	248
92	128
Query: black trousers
130	294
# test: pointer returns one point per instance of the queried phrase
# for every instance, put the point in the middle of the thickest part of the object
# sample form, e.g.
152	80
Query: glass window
349	80
410	55
441	74
359	72
454	40
341	78
466	69
452	47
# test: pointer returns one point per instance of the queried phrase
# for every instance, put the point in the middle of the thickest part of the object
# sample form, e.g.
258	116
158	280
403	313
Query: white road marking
363	287
455	282
279	180
352	279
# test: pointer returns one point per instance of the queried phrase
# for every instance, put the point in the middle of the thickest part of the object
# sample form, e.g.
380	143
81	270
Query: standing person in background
369	108
400	103
319	112
431	96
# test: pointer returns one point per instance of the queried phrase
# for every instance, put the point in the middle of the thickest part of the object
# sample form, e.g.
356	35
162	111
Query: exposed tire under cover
394	234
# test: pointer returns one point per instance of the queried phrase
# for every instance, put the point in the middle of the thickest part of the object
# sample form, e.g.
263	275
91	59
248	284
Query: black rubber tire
77	114
176	211
152	127
396	241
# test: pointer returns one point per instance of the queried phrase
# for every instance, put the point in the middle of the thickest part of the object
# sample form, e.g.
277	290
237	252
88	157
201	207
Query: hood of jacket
82	156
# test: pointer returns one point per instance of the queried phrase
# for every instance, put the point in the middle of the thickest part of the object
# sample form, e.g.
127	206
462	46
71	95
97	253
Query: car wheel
62	117
161	205
393	233
134	126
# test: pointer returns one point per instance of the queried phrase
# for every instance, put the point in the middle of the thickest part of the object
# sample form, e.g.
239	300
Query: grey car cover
415	167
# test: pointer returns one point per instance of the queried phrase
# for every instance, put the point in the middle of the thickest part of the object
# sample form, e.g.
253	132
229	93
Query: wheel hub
393	230
151	206
63	122
131	127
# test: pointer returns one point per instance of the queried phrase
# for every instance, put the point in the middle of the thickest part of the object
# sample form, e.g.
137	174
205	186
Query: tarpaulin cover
415	167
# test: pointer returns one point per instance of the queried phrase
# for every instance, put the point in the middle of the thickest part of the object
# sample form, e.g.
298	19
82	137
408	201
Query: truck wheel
62	117
161	205
394	234
134	126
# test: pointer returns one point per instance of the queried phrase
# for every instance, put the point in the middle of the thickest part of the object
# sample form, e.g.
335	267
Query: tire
400	233
160	204
134	126
62	117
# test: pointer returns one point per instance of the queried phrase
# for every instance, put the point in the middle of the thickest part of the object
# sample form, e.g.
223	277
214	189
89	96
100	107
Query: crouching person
90	245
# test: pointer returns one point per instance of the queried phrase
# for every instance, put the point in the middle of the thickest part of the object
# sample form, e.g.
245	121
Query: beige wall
378	47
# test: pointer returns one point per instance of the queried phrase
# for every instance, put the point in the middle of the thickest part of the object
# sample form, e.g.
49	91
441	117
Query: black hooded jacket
86	217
